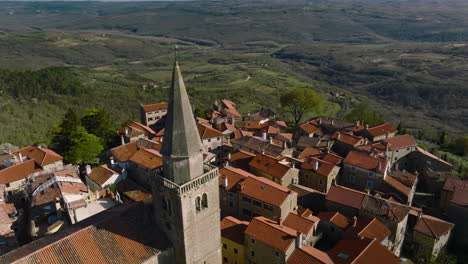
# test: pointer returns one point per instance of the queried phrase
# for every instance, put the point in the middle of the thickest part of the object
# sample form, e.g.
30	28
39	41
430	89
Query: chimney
293	165
122	140
88	169
333	122
386	149
338	135
229	156
387	135
248	114
263	151
365	141
20	157
420	214
271	140
264	135
379	166
367	126
319	121
285	144
358	123
355	221
233	121
299	239
112	162
280	221
127	131
316	165
225	182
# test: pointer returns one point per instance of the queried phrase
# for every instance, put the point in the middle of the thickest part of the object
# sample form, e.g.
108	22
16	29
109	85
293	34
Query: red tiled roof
241	158
148	158
147	130
362	251
365	161
309	152
8	207
233	229
332	158
397	185
281	123
309	128
398	142
432	226
206	132
459	189
269	165
345	196
272	130
233	175
124	152
288	136
18	171
368	228
381	130
324	168
101	174
347	138
309	255
42	156
271	234
336	218
154	107
300	223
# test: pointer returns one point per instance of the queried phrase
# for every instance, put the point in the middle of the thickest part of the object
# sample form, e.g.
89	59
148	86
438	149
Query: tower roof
181	135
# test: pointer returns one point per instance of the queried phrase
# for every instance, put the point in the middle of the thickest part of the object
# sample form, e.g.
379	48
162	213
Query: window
231	204
198	204
236	251
277	253
246	199
370	184
353	168
246	212
225	260
268	207
209	140
224	246
252	253
371	174
205	200
257	203
7	185
352	179
252	240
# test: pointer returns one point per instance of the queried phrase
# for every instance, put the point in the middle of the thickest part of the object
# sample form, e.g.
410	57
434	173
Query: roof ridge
429	226
362	252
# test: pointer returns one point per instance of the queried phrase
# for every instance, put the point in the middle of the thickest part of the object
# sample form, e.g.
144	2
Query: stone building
152	113
378	132
232	237
430	236
363	171
317	173
278	170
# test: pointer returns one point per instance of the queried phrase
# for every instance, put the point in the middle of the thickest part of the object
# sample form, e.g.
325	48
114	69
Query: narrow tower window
198	204
204	200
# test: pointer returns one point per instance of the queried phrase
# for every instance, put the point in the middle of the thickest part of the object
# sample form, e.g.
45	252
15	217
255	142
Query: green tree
99	122
442	138
299	101
62	135
364	113
85	147
460	146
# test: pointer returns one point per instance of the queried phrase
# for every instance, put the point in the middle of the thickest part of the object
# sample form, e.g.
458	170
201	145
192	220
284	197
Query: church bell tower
186	196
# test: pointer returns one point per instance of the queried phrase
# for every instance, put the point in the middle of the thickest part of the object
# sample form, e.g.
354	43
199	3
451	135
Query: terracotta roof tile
324	168
397	185
269	165
148	158
300	223
459	189
381	130
309	127
365	161
332	158
398	142
233	229
42	156
368	228
145	129
206	132
309	152
345	196
132	190
154	107
432	226
427	153
124	152
309	255
101	174
18	171
258	145
336	218
271	234
362	251
347	138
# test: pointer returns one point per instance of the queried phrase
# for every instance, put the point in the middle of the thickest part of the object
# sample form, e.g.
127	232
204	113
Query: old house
152	113
8	218
308	129
430	236
400	185
363	171
212	139
240	159
144	164
365	250
245	195
259	145
398	147
232	237
345	142
278	170
318	174
134	131
103	176
378	132
46	159
333	226
330	125
15	176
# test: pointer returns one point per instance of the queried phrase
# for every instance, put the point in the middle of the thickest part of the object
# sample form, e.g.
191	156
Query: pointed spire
182	148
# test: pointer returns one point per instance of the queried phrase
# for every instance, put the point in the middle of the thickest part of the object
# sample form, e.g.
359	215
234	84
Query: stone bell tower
186	196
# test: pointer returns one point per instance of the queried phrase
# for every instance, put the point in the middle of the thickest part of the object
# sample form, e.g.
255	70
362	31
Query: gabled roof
259	145
233	229
362	251
432	156
380	130
398	142
255	187
279	237
309	127
336	218
254	125
388	209
148	158
206	131
230	110
332	158
101	174
309	255
18	171
145	129
365	161
269	165
432	226
308	142
459	189
42	156
397	185
299	223
154	107
324	168
309	152
124	152
347	138
346	196
124	234
368	228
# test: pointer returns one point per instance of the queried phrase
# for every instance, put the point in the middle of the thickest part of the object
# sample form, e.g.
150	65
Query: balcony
210	173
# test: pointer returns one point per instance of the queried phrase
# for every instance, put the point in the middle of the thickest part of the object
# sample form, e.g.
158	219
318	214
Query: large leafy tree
85	147
300	101
364	112
62	135
99	122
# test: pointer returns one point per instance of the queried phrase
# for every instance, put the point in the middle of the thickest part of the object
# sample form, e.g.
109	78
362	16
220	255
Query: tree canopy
364	112
300	101
99	122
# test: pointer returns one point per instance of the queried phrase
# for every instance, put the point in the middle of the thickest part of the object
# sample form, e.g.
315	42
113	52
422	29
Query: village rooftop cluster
327	191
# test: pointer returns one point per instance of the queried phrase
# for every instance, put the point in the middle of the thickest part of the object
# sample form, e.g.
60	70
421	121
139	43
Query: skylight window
343	255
